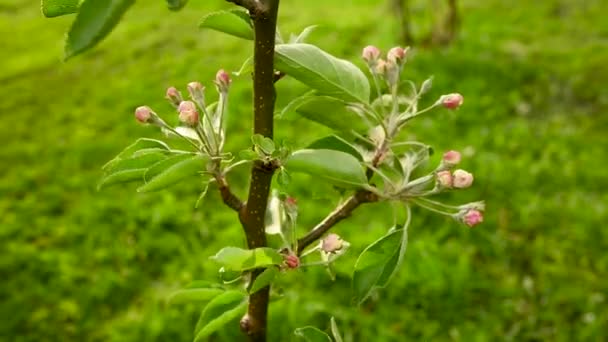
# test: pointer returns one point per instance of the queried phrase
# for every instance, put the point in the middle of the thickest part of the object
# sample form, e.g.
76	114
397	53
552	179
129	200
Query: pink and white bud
332	243
451	101
462	179
451	158
380	67
370	54
292	261
196	91
188	113
174	96
222	80
143	114
392	73
444	179
472	218
396	55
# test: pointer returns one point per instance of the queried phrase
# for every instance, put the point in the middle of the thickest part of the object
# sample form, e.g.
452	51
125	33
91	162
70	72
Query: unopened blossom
143	114
445	179
174	96
462	179
396	55
370	54
196	90
292	261
188	113
472	218
332	243
222	80
380	67
451	101
451	158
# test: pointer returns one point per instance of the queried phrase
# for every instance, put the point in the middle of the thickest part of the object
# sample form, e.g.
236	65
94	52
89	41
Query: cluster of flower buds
446	179
332	243
389	69
200	124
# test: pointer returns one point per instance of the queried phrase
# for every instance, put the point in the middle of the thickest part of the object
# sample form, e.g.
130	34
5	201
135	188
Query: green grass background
82	265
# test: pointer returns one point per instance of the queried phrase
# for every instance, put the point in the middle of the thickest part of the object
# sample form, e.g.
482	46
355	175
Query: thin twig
229	198
340	213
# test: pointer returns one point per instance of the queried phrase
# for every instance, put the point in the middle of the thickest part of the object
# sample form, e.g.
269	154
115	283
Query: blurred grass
78	265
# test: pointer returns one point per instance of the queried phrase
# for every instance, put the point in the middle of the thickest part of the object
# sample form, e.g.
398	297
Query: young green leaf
312	334
176	173
323	72
159	167
332	113
249	155
335	331
230	22
264	143
176	5
304	34
220	311
141	161
194	295
121	177
94	21
376	264
139	144
264	279
340	168
238	259
56	8
334	142
294	104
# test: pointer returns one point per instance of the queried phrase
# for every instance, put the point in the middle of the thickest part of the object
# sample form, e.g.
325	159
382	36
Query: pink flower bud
380	67
462	179
143	114
292	261
370	54
174	96
332	243
451	101
196	90
188	113
444	179
222	80
451	158
396	55
472	218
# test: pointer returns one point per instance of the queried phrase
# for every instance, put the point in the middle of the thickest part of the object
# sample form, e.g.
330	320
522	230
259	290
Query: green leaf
333	113
121	177
139	144
323	72
335	331
238	259
264	279
264	143
305	33
194	295
283	178
334	142
231	22
141	161
56	8
249	155
176	5
157	168
175	173
337	167
312	334
294	104
246	67
94	21
377	263
220	311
